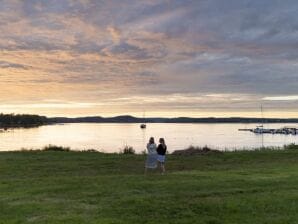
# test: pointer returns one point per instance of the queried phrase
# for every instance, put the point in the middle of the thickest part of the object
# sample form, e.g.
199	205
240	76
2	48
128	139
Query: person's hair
162	141
151	140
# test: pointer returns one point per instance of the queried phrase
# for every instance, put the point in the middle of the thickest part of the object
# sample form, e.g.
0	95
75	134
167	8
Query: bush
56	148
195	150
128	150
291	146
91	150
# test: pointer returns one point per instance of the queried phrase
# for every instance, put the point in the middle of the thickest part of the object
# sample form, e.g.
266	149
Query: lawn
89	187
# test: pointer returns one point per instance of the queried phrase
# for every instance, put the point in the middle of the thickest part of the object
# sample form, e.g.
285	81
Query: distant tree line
21	120
131	119
28	120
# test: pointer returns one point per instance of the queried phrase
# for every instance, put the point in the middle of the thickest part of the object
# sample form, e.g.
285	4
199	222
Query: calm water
112	137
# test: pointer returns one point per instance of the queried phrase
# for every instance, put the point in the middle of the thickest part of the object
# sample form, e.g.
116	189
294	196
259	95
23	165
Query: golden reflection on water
113	137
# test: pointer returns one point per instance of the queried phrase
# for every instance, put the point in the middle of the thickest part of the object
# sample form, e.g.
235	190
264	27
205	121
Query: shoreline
190	151
31	120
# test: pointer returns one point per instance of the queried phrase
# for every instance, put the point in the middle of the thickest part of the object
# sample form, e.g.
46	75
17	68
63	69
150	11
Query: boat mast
143	125
144	116
262	126
262	116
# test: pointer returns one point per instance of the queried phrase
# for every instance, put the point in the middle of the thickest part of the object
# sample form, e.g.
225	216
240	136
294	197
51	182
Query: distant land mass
27	120
22	120
131	119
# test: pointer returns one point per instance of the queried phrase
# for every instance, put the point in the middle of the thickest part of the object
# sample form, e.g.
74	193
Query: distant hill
131	119
27	120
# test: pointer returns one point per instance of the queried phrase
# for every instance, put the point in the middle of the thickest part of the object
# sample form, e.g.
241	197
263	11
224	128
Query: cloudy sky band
157	55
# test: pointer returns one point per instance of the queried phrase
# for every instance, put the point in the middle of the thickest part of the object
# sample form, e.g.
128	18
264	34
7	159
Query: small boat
143	126
261	130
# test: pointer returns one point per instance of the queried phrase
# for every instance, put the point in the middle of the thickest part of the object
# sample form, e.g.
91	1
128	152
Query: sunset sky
170	58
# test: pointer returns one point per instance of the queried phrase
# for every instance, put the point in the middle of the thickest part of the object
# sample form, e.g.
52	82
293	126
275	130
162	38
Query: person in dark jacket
161	154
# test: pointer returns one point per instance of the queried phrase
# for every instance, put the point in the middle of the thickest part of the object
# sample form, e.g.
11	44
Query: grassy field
88	187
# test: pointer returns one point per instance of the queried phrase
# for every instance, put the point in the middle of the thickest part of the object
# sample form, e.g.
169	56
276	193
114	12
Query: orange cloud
115	33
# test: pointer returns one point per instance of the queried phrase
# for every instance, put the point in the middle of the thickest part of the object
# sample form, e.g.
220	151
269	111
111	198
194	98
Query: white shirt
151	148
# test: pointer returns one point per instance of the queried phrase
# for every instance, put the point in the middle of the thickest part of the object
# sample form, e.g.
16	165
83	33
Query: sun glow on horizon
94	109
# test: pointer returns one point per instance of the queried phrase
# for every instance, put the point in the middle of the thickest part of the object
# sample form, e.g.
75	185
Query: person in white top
151	161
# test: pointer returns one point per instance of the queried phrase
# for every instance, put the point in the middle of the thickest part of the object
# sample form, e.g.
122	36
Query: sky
169	58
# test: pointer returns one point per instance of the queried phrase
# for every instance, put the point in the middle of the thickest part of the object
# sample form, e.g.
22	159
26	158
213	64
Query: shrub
195	150
291	146
56	148
91	150
128	150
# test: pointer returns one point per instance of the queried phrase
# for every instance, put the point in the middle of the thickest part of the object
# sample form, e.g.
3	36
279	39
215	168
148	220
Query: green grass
88	187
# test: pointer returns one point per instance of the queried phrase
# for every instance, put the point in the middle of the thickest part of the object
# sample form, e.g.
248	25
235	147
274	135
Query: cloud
281	98
71	105
86	50
6	64
115	33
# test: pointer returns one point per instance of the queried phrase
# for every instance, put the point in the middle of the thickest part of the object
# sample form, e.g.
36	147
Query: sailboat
260	128
143	125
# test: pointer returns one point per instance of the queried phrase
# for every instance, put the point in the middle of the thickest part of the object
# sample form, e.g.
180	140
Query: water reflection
113	137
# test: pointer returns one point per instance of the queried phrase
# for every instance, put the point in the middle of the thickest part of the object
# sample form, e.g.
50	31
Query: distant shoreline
131	119
28	120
